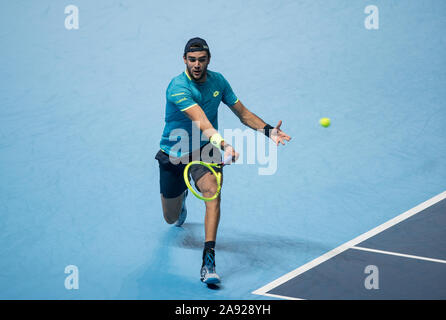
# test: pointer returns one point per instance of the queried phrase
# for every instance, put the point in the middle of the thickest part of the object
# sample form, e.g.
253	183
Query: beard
200	77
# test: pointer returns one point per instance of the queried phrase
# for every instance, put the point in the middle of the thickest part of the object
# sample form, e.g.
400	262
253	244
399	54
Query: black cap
196	44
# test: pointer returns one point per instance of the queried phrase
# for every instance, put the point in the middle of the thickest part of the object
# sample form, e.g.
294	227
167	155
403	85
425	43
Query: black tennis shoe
208	273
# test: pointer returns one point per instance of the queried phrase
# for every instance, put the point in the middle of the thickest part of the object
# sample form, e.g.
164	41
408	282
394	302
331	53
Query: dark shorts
171	169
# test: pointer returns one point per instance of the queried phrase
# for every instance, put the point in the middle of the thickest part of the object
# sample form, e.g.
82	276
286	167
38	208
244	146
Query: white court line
263	290
279	296
398	254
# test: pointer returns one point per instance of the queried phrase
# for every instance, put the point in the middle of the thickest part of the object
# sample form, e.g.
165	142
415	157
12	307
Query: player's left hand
278	136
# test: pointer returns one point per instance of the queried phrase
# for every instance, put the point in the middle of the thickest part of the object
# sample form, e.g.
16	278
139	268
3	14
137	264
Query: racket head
210	166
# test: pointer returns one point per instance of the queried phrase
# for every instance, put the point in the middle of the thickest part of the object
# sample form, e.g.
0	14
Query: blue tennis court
407	254
352	211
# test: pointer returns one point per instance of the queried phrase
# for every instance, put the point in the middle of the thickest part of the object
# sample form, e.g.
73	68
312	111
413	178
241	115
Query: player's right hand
230	152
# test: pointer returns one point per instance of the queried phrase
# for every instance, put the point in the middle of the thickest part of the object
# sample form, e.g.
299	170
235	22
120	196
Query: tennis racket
211	167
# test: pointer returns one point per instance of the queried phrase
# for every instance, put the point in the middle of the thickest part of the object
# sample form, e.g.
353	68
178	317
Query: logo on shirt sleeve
216	93
181	100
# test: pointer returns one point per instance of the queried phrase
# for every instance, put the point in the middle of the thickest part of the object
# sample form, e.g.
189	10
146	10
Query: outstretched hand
278	136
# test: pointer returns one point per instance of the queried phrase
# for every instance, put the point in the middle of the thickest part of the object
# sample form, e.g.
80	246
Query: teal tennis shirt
180	135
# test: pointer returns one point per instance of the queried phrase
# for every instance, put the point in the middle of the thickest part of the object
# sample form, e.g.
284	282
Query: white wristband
216	140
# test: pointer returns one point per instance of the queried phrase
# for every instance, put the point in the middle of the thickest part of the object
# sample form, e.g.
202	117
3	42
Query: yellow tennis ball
325	122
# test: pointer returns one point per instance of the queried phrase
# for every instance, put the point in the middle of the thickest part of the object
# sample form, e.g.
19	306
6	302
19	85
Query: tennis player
193	98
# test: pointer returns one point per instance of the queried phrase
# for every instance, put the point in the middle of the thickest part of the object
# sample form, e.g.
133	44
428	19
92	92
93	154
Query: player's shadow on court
166	276
171	275
260	250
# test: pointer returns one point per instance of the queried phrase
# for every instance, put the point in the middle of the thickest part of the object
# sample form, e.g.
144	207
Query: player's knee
168	220
170	217
209	190
171	209
208	185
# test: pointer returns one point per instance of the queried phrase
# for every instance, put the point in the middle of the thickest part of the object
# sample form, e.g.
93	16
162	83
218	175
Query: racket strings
199	170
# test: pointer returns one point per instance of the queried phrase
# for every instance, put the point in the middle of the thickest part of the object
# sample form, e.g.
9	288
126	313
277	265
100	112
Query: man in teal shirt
193	99
184	93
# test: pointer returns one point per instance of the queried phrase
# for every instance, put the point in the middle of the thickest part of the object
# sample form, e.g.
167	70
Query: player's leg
207	184
172	207
173	190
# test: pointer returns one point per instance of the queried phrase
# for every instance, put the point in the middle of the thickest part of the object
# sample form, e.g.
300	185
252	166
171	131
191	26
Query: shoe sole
211	280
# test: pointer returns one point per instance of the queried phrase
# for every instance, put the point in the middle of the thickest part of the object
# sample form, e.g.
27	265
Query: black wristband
267	130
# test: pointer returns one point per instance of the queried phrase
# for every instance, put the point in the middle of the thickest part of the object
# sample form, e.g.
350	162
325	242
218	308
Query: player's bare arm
251	120
197	115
